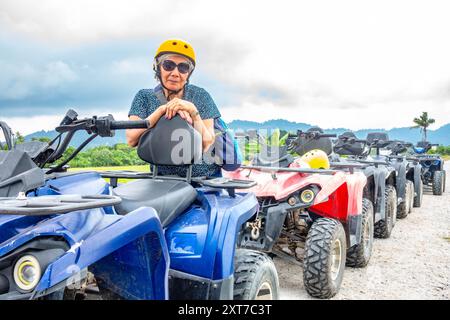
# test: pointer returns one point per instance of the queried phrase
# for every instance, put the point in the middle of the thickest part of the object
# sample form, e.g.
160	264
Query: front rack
219	183
54	204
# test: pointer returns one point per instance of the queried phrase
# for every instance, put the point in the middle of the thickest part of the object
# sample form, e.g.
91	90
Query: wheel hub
336	260
264	292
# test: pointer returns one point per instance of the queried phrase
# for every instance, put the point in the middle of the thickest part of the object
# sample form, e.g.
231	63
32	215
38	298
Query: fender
417	177
95	238
202	240
379	177
400	182
391	176
120	253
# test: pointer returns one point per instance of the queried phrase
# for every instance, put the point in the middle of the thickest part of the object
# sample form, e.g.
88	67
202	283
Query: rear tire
445	180
383	228
255	276
325	255
405	207
359	255
438	183
418	198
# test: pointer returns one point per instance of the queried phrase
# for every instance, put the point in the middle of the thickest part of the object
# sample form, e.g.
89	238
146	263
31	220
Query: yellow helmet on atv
317	159
177	46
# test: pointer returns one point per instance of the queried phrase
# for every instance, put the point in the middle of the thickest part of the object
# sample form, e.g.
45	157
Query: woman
173	64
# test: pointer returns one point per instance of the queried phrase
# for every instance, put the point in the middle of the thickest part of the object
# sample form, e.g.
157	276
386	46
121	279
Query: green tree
42	139
19	138
423	122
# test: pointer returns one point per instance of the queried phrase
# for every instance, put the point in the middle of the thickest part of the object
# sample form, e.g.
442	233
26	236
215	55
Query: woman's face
174	80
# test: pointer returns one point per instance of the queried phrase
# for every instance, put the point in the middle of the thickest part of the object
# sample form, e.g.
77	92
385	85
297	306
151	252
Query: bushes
105	156
445	151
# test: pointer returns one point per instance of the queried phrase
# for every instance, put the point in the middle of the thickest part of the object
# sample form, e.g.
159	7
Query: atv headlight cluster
27	273
307	196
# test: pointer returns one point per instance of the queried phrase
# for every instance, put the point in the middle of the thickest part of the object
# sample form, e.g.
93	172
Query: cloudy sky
351	64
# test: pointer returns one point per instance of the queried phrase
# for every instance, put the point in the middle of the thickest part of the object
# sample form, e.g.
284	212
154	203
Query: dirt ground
414	263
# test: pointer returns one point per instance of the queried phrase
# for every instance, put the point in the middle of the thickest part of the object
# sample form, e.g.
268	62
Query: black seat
168	197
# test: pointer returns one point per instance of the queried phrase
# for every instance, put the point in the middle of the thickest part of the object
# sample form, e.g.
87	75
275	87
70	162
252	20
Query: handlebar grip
134	124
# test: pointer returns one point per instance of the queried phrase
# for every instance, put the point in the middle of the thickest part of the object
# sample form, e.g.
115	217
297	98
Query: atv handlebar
95	126
103	126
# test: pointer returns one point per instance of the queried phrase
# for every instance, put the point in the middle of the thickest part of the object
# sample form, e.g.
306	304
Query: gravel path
414	263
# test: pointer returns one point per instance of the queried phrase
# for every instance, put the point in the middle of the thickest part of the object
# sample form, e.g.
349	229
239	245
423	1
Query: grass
144	168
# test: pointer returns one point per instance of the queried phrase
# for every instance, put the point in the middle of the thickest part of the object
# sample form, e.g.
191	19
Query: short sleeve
138	107
206	106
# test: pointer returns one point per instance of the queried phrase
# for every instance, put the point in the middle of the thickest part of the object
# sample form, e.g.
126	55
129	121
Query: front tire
438	183
359	255
383	228
255	276
324	261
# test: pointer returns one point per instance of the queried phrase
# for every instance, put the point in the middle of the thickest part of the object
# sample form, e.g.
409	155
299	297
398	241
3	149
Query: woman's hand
174	106
186	116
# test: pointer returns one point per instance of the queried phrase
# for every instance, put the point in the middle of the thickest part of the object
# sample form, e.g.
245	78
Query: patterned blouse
146	102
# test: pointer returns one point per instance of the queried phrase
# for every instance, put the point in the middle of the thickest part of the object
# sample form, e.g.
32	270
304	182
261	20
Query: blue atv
433	173
67	235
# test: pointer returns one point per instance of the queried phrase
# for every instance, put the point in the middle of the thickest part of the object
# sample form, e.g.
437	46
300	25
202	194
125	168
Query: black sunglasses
183	67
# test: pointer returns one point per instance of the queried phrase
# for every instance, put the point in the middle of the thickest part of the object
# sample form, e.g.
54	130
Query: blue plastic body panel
93	236
85	183
202	241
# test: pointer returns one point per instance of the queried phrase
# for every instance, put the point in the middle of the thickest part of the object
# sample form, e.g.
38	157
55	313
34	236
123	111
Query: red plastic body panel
340	194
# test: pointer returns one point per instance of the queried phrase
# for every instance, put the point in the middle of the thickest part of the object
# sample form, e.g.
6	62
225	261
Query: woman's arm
206	129
133	135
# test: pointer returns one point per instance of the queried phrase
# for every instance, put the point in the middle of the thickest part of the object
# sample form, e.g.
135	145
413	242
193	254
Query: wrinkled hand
186	116
174	106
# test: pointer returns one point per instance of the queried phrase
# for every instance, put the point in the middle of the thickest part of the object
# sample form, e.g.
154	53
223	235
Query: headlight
27	273
307	196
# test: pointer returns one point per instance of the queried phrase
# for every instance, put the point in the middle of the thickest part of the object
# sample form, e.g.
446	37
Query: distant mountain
81	136
441	135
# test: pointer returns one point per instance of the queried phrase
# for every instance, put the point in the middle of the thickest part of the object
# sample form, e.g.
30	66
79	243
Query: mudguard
417	177
379	173
400	182
134	242
202	241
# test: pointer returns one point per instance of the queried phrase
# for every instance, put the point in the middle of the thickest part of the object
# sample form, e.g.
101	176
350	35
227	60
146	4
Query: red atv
316	218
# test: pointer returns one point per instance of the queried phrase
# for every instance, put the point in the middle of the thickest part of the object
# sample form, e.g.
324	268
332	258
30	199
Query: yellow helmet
317	159
177	46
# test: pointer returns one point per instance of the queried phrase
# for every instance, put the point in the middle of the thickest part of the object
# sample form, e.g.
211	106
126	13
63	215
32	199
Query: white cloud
20	80
311	61
136	65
